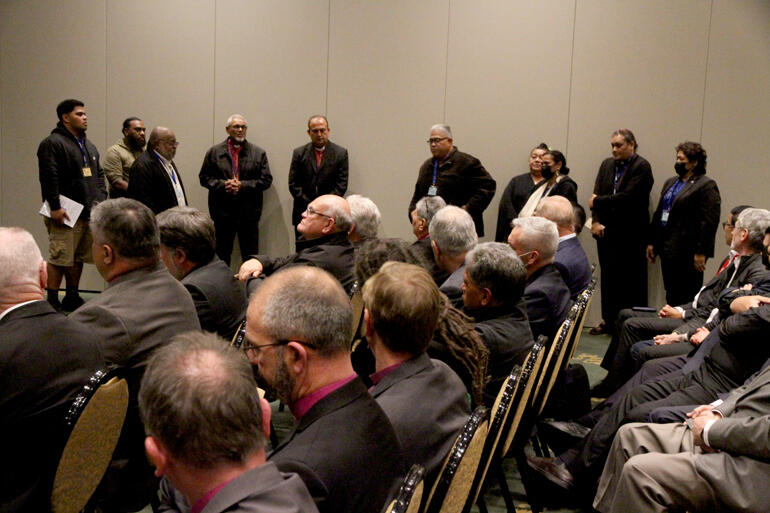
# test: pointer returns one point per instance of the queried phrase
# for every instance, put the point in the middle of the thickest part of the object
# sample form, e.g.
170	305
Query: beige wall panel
639	65
49	51
271	62
386	87
737	108
160	66
508	83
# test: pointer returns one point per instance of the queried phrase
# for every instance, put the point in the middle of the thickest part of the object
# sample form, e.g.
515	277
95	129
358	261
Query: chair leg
482	504
510	507
526	479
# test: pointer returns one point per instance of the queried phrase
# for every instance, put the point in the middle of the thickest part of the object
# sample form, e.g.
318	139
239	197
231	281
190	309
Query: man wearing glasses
343	447
155	180
236	172
457	177
323	243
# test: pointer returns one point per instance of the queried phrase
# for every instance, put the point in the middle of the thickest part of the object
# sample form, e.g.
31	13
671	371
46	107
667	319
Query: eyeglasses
310	211
436	140
726	224
238	127
258	347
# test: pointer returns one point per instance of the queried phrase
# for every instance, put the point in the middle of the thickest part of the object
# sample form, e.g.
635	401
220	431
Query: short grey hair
190	230
428	206
756	221
497	267
342	218
557	209
453	231
310	305
199	399
20	258
443	128
538	234
128	226
232	118
366	216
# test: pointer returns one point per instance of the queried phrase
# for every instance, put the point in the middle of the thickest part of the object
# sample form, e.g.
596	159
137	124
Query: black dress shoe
572	429
71	303
553	470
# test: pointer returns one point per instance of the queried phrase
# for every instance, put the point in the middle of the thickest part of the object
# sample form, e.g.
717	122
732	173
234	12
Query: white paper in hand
73	208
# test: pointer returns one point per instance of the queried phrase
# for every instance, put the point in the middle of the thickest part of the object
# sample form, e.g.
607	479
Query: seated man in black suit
343	447
46	360
424	399
674	327
206	426
570	259
324	243
535	240
366	219
421	216
452	235
187	247
493	291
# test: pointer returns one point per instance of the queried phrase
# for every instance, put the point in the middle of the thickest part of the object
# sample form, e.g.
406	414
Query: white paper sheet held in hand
72	207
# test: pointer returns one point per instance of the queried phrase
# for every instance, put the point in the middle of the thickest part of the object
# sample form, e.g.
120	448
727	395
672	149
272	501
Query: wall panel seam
571	71
706	71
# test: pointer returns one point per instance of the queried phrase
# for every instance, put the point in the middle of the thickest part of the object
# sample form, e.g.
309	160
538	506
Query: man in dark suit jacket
457	177
535	240
402	306
421	216
620	210
493	290
323	243
570	259
452	235
236	172
206	426
317	168
343	447
155	180
142	308
45	360
718	460
684	224
187	248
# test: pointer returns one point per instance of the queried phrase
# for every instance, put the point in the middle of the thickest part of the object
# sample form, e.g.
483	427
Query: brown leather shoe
597	330
553	470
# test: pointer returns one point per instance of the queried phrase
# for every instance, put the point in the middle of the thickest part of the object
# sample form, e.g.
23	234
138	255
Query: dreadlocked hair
374	252
455	333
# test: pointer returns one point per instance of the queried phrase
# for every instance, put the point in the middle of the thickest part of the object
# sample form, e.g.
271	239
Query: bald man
155	180
570	259
323	243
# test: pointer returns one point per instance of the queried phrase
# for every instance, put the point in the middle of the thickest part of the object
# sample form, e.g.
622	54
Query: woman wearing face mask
517	191
684	224
555	182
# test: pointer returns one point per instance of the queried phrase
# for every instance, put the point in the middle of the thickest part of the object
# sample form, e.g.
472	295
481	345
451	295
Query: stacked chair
409	494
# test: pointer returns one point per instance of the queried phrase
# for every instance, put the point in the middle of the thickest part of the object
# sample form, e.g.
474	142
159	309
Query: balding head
163	140
22	269
325	215
559	210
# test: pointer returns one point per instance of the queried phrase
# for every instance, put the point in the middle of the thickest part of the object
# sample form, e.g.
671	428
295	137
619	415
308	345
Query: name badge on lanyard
664	217
433	190
86	171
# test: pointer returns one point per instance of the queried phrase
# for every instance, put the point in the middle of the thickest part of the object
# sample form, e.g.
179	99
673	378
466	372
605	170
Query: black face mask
680	169
546	171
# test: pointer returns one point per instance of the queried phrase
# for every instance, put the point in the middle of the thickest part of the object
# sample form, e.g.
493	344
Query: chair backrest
409	495
96	417
497	421
528	376
553	364
357	303
453	484
585	303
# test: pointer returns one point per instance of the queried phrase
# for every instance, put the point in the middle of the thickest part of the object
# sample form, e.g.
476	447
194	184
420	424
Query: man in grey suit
206	429
187	247
317	168
716	461
141	309
402	306
452	236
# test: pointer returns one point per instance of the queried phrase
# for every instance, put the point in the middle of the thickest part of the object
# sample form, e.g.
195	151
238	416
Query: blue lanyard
173	175
435	171
82	145
668	199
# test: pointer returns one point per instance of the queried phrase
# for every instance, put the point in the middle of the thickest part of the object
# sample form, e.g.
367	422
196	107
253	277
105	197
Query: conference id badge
432	190
86	171
664	217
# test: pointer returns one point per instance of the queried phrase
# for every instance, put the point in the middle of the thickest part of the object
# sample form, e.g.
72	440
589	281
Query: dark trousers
623	266
248	236
680	279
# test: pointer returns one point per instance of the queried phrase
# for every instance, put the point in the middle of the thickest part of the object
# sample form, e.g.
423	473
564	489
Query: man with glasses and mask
343	446
547	297
236	172
323	243
155	180
457	177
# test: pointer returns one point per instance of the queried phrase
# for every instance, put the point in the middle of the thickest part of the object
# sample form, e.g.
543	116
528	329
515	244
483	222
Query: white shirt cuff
680	310
706	431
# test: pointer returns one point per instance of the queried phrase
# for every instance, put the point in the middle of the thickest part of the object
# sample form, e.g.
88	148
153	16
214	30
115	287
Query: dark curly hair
694	152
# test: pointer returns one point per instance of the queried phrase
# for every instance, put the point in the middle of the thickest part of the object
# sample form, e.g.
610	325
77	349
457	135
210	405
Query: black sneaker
71	303
55	303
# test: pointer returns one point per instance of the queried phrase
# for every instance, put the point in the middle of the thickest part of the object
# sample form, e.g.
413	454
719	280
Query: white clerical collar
14	307
567	237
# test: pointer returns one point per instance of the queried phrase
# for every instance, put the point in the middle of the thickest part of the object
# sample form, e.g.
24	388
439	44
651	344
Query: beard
283	382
